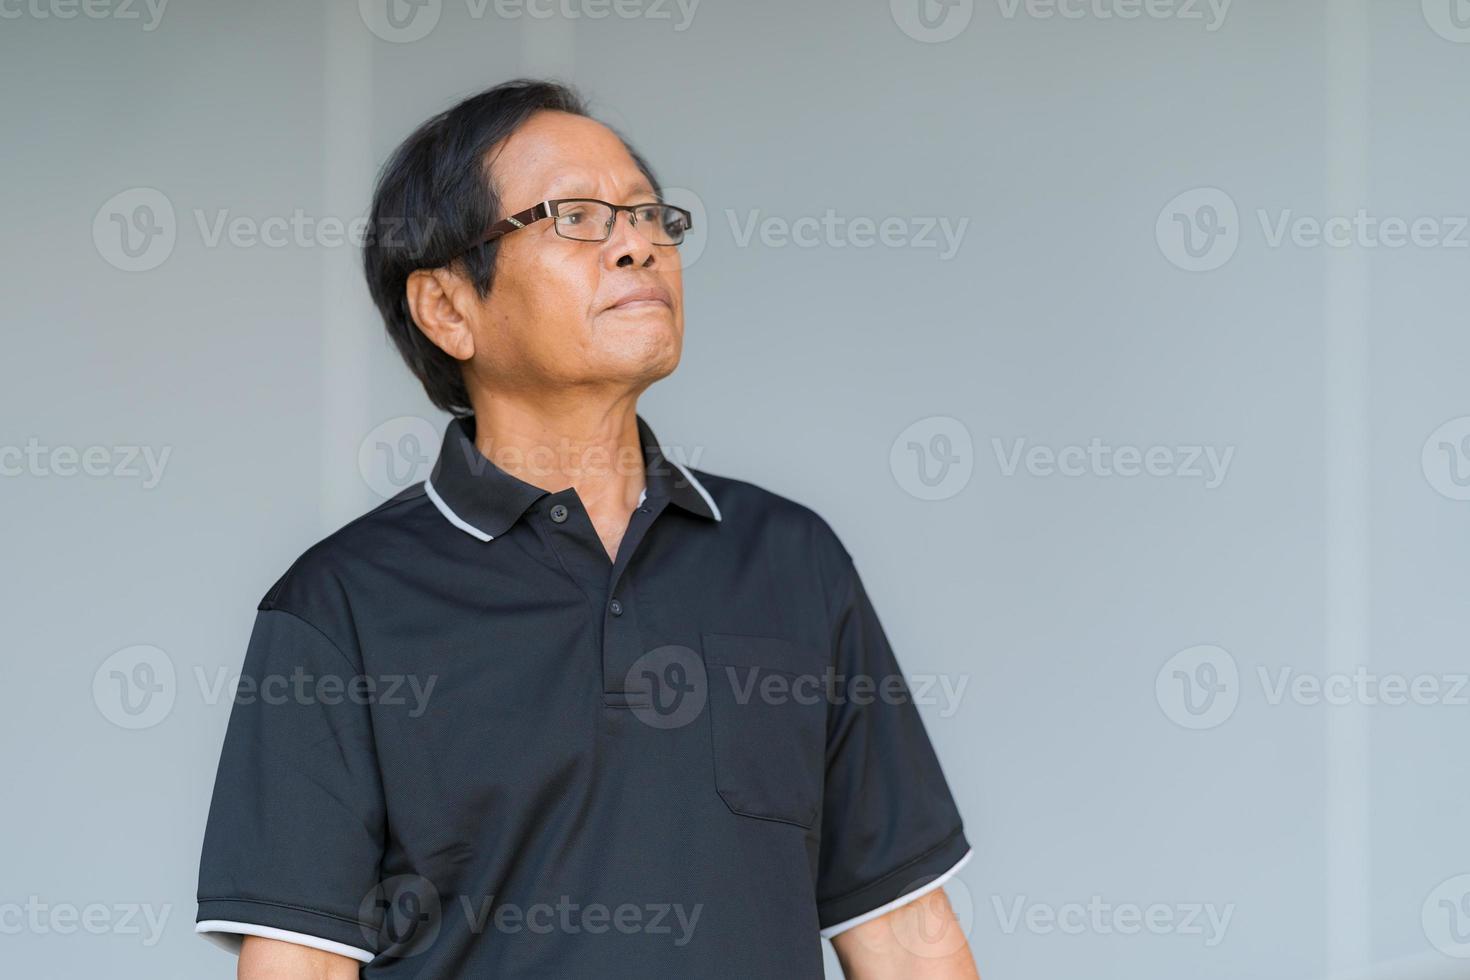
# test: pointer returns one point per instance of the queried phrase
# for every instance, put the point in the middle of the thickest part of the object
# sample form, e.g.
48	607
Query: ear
435	299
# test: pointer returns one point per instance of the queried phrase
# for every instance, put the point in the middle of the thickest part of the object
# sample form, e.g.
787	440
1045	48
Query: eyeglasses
584	219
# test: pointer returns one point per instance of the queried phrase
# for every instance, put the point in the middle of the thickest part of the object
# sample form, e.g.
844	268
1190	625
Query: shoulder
752	512
322	583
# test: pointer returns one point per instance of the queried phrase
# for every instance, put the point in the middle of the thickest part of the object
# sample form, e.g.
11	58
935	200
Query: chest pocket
768	723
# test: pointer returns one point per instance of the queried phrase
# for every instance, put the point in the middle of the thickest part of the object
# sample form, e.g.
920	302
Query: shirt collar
666	477
484	501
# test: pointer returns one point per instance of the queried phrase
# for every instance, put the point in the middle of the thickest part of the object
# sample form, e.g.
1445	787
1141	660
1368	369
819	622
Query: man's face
558	313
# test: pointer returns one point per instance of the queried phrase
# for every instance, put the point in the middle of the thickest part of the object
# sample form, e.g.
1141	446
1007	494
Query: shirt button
559	513
615	607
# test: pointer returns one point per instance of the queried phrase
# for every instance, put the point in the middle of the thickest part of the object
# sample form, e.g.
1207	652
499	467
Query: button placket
622	642
576	544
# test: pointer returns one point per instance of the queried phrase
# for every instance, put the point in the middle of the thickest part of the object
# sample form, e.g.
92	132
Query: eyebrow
640	189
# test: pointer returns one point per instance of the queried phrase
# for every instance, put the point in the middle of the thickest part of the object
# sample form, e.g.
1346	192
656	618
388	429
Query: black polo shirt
467	744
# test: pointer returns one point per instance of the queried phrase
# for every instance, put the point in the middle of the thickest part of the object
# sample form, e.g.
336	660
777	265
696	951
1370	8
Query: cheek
565	283
542	296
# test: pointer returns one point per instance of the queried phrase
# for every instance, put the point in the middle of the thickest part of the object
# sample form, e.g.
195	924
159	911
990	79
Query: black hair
433	203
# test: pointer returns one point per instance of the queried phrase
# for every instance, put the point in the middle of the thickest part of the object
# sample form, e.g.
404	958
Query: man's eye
573	214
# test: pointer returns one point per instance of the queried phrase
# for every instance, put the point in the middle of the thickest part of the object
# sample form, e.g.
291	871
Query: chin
645	350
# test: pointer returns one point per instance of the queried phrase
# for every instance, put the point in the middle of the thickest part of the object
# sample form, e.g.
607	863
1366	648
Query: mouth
644	298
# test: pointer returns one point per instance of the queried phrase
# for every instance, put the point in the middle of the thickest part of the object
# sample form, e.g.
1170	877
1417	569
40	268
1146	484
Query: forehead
557	154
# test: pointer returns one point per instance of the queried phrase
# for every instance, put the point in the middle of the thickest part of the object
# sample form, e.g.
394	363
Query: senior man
660	731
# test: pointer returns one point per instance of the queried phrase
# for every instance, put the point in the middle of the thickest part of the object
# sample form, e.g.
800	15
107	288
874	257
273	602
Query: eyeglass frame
547	209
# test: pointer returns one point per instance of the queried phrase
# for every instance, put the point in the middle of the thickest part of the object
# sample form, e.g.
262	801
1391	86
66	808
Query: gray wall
1077	609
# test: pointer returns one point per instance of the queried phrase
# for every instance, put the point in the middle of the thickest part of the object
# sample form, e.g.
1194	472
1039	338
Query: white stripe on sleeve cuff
898	902
229	936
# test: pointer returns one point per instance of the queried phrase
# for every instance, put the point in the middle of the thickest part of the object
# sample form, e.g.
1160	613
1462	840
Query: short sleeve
890	828
295	836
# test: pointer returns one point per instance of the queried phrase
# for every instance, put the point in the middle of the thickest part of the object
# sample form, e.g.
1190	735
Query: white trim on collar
714	508
470	529
451	516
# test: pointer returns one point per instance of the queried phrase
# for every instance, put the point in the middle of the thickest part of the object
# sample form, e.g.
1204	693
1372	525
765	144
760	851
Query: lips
642	294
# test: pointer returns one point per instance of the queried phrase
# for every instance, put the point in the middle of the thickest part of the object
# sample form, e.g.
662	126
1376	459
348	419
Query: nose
626	244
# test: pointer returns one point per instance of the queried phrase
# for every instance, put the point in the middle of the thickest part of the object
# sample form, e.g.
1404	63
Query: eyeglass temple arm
518	220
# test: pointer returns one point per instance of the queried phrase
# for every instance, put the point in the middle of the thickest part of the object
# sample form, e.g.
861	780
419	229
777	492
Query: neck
551	443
